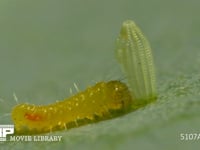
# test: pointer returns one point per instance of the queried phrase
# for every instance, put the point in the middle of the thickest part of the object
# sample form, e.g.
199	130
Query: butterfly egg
102	101
134	54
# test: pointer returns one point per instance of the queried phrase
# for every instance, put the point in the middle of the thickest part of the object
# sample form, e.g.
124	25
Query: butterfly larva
102	101
134	54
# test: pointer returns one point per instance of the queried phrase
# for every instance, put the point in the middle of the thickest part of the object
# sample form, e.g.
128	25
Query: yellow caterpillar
105	99
102	101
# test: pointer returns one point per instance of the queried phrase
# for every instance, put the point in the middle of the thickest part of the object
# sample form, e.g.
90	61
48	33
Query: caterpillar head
120	95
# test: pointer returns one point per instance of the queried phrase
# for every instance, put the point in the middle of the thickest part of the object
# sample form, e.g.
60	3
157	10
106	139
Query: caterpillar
103	101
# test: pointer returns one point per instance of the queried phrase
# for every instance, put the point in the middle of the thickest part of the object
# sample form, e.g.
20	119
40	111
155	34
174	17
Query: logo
5	130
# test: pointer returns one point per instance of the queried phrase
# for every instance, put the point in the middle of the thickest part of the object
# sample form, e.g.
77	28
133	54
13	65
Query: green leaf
46	46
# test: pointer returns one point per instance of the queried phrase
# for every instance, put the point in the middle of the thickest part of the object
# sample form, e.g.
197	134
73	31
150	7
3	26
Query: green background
47	45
